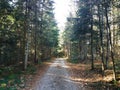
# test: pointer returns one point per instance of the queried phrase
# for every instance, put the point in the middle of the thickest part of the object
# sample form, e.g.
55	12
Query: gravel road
57	77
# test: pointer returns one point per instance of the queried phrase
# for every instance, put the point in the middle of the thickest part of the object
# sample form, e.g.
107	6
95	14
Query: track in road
57	77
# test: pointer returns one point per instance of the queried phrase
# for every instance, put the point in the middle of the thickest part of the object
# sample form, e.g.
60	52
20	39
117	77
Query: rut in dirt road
57	78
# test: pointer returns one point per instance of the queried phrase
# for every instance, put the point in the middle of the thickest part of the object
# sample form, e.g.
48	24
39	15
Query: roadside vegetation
92	36
28	37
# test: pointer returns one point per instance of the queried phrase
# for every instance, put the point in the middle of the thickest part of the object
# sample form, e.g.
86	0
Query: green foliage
18	18
31	69
75	61
10	78
9	82
96	35
60	54
82	24
117	64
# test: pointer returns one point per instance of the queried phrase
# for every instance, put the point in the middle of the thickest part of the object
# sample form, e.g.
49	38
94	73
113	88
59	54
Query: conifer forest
84	53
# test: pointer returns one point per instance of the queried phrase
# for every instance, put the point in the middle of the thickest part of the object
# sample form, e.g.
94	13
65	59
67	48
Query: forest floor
62	75
91	79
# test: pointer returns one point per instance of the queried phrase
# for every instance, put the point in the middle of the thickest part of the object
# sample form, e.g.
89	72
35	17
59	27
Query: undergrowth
74	61
13	78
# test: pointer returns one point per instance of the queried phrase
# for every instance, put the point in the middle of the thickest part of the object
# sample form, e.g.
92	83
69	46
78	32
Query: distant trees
28	31
95	32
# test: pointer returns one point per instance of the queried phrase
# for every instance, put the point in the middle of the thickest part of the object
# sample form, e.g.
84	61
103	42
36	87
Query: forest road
57	77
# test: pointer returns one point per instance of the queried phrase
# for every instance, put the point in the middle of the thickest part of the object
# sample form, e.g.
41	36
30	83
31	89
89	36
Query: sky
61	13
62	8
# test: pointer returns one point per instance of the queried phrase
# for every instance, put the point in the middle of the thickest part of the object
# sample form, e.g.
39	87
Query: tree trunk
111	46
101	38
92	53
35	54
27	34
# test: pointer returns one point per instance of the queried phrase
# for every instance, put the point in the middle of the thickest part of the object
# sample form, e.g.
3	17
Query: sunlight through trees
93	34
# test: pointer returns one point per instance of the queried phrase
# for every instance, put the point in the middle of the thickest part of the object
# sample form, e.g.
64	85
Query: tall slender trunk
92	52
79	43
107	52
41	26
27	35
111	45
35	54
101	38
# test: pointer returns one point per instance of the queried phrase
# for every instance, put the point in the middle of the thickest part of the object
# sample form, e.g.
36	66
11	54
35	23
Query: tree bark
92	53
101	38
111	45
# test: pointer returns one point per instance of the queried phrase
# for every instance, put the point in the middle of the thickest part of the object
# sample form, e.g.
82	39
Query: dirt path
57	77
